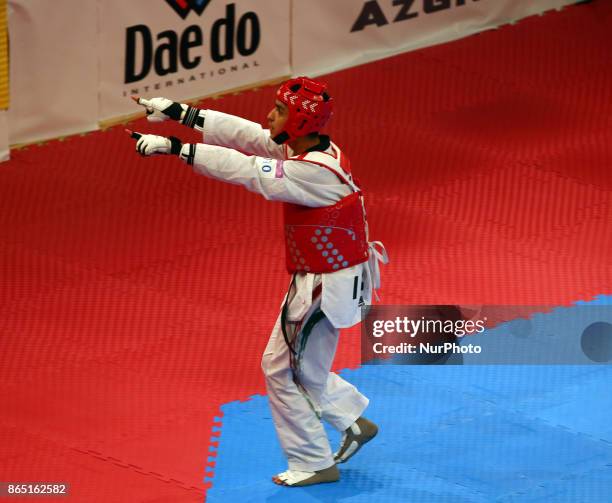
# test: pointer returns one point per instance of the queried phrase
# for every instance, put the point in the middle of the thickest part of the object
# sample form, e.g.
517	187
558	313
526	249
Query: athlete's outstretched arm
218	128
235	132
277	180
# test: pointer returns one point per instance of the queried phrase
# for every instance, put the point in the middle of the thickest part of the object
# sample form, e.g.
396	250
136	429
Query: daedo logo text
168	52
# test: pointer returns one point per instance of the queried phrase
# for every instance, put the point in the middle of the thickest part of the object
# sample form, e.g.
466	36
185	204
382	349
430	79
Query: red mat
137	297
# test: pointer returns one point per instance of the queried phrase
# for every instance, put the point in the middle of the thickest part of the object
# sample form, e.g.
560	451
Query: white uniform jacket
273	172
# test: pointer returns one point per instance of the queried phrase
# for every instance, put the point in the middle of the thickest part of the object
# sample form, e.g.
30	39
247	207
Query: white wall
53	68
331	35
68	57
229	45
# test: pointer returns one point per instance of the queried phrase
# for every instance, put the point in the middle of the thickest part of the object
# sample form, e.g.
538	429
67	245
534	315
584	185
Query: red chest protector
329	238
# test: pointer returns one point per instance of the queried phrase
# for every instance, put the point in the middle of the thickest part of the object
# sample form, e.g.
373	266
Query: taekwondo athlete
334	267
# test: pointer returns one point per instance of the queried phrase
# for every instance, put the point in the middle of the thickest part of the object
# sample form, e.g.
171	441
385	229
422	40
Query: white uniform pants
325	394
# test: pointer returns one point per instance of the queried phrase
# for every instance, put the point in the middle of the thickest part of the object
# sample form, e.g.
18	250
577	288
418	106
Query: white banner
183	49
53	68
331	35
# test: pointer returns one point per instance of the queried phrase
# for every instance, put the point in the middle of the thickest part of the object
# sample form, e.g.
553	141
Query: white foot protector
292	477
298	478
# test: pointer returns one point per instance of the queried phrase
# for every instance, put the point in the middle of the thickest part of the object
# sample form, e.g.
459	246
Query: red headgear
310	107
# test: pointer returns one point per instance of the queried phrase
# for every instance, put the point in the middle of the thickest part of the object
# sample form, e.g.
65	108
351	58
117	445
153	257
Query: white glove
161	109
150	144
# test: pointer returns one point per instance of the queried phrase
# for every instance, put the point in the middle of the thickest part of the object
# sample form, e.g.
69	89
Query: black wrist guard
176	145
174	111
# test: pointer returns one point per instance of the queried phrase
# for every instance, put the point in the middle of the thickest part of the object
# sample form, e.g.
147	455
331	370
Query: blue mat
445	437
506	433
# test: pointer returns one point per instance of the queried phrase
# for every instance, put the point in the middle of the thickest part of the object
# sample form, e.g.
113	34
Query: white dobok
277	175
